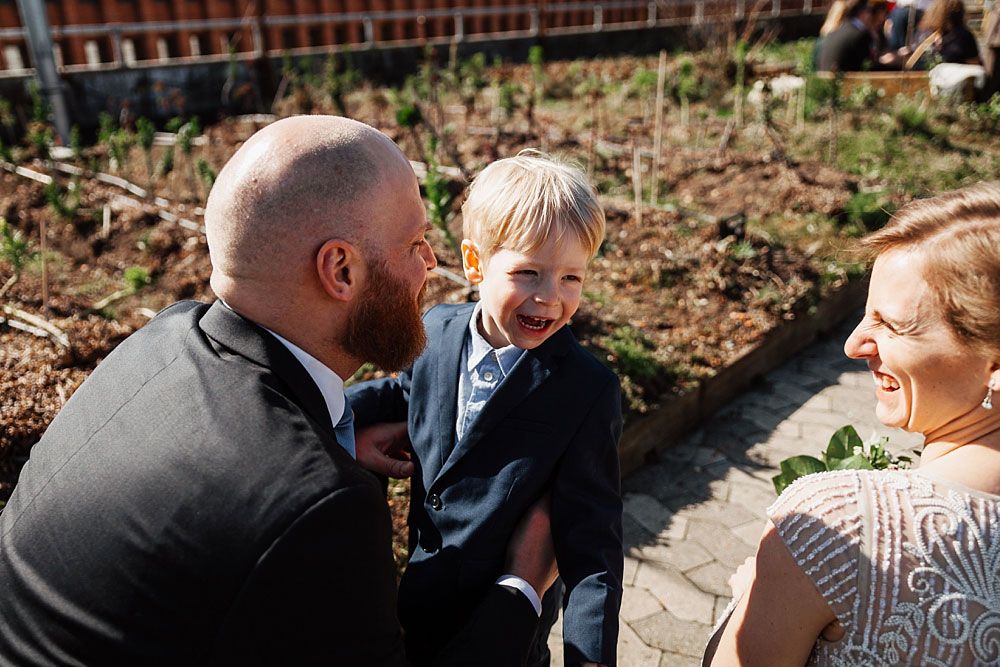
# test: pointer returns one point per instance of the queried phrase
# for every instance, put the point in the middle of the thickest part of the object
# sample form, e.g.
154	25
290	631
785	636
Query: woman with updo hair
899	567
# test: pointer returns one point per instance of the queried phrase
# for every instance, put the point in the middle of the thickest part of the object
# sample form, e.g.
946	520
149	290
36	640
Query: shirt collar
329	383
506	356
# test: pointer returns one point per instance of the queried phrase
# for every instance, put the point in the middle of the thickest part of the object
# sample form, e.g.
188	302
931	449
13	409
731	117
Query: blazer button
429	549
435	501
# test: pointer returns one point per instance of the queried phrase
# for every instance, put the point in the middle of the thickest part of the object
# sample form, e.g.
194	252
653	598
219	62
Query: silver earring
988	401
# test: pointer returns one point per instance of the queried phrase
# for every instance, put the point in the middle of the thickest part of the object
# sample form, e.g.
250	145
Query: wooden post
661	80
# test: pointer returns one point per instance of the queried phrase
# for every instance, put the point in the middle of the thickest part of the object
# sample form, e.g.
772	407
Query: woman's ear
339	268
472	262
995	377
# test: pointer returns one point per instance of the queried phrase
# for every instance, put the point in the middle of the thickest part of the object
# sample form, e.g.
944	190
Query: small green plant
633	352
15	250
206	173
119	143
146	132
743	251
42	137
408	115
6	152
64	202
912	120
870	209
166	161
76	143
439	196
507	98
106	127
134	277
845	451
40	112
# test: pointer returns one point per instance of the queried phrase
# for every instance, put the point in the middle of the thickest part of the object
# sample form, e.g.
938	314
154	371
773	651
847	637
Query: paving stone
628	573
666	632
638	603
683	451
682	554
745	475
721	604
705	456
793	393
677	660
632	651
750	532
821	401
720	542
755	498
712	578
714	510
676	593
809	416
654	517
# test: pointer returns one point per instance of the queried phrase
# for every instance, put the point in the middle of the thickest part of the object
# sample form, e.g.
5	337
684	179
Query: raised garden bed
740	258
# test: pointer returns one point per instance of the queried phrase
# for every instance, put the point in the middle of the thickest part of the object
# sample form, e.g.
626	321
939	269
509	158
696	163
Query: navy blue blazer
553	423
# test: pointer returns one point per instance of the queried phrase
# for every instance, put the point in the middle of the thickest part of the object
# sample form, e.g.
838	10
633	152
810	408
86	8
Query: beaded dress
909	562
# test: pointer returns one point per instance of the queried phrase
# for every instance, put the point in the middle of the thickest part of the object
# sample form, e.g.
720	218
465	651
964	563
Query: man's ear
472	262
340	268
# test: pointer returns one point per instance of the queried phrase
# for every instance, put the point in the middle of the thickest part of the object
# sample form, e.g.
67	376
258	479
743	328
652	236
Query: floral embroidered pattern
924	565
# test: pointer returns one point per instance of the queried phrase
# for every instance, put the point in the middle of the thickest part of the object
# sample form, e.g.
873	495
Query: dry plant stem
661	79
106	223
108	300
53	332
8	285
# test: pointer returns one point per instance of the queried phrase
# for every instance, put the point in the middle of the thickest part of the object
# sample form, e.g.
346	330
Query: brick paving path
692	517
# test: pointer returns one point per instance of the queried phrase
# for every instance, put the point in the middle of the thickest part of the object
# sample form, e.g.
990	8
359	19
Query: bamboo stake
45	268
661	80
106	226
637	181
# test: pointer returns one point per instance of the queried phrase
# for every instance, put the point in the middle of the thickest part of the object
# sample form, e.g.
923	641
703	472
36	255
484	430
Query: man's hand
384	449
530	552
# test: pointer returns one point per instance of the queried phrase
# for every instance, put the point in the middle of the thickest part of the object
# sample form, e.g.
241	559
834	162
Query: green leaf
841	445
856	462
801	465
793	468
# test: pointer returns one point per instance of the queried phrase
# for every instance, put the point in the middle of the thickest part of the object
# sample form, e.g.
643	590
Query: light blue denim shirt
481	370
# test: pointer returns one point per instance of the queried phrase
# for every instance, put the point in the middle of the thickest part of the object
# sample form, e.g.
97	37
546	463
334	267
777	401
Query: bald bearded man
197	500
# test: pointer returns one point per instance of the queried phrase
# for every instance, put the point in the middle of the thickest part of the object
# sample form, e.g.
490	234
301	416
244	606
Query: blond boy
503	406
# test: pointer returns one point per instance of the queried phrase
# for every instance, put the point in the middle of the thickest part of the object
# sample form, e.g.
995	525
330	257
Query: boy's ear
339	267
472	262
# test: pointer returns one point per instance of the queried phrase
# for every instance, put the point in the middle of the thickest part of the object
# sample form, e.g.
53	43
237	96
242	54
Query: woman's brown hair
958	234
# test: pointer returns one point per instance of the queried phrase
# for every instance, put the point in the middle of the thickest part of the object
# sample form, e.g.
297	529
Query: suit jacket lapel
530	372
451	343
252	342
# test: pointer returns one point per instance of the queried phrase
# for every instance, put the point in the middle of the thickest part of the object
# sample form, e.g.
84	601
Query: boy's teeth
533	322
885	382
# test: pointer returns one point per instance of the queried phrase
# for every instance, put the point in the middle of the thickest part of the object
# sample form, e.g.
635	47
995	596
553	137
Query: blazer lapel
530	372
251	341
452	340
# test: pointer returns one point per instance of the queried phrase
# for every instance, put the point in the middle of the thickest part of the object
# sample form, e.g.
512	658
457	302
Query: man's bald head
289	188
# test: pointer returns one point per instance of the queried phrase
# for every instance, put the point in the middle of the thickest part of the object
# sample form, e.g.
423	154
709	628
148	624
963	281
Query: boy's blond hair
519	203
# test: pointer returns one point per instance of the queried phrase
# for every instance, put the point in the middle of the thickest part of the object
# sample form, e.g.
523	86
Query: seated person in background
854	45
941	34
901	26
503	406
991	49
899	567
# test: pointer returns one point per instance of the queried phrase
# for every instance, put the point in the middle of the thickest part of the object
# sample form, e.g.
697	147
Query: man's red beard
386	328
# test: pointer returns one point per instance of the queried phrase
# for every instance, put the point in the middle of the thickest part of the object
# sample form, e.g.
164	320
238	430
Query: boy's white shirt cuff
520	584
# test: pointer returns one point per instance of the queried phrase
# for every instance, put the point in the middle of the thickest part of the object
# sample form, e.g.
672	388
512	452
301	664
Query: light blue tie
344	430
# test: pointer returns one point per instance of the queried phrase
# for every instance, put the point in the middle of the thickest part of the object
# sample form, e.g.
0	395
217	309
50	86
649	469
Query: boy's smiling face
526	297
